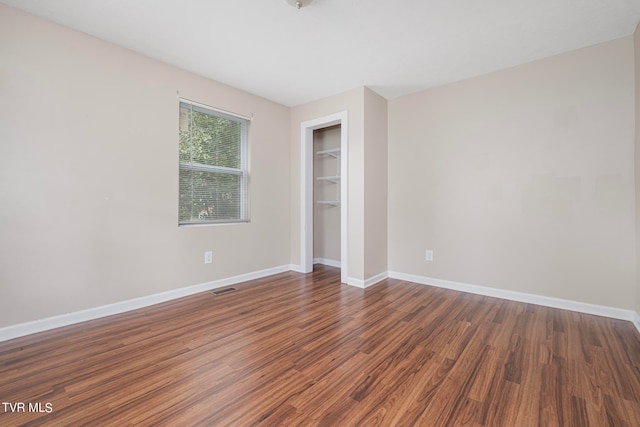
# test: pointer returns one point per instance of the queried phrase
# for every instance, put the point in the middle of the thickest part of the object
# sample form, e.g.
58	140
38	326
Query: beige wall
636	44
375	183
352	102
326	218
521	179
88	176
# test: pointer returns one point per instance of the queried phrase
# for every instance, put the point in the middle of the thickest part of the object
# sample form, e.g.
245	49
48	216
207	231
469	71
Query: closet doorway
324	228
326	196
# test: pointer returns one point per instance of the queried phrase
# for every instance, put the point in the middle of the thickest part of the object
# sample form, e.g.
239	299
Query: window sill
210	224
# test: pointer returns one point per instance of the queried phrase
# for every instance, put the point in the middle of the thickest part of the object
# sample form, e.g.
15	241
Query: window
213	166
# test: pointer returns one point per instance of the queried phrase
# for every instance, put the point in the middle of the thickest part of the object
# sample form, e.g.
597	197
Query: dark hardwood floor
305	350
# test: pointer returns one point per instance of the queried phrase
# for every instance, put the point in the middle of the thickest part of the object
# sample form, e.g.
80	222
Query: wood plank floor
305	350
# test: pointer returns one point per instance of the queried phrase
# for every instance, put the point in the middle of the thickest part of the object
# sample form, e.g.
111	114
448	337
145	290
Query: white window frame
243	171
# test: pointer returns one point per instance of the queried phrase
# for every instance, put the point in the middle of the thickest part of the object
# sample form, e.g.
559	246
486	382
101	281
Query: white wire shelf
334	152
334	179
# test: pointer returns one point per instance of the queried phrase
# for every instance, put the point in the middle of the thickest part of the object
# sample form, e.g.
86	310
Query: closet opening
326	196
323	193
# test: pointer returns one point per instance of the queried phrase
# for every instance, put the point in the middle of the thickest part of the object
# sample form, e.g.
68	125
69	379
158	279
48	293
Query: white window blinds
213	166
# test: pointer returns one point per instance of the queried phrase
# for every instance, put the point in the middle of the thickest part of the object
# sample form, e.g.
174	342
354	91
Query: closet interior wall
326	196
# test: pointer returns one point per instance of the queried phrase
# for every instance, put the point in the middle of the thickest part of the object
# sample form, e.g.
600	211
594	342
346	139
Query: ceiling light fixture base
298	4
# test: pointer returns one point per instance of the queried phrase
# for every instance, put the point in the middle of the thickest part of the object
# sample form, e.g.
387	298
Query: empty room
319	212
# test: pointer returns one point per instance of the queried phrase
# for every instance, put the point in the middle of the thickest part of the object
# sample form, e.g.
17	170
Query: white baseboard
329	262
27	328
636	320
296	268
368	282
46	324
358	283
582	307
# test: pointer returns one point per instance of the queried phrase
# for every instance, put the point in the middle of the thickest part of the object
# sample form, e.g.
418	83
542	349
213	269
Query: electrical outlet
429	255
208	257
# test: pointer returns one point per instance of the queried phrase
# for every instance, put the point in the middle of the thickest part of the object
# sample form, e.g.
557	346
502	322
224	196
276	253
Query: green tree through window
213	172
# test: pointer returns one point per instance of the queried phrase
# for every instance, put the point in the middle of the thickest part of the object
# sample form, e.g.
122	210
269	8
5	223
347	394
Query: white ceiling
291	56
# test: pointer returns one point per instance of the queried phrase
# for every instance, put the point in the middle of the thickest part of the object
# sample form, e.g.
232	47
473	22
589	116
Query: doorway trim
306	190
